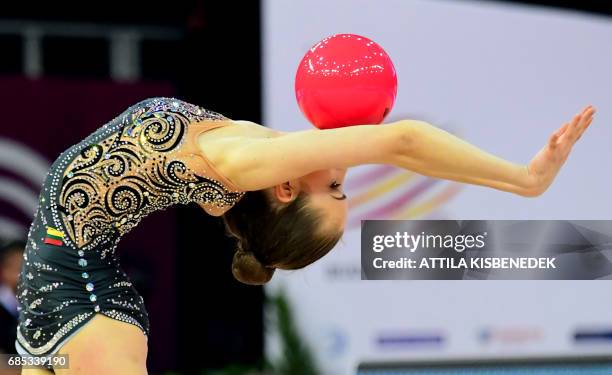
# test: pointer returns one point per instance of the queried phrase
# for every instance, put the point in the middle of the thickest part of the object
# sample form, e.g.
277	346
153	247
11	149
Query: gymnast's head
287	226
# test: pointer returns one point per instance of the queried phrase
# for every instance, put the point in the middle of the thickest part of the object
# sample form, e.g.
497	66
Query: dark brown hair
270	235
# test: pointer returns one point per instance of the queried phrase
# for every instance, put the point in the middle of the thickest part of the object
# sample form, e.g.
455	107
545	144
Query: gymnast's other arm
258	163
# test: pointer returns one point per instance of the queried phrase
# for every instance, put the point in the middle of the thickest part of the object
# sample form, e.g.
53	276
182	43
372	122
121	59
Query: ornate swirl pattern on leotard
115	182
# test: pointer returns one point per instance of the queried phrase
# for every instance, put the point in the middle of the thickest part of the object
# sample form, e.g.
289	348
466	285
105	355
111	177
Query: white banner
501	76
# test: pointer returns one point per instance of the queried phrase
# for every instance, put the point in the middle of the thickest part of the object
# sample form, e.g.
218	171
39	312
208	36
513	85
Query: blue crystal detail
93	298
81	253
85	275
89	287
82	262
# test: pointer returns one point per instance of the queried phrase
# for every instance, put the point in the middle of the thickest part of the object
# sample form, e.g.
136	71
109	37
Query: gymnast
278	193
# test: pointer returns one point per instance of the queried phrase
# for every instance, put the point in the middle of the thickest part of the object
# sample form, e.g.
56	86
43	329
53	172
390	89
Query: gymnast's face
325	193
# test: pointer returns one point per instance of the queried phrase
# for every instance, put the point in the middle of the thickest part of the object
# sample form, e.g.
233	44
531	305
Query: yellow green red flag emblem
54	237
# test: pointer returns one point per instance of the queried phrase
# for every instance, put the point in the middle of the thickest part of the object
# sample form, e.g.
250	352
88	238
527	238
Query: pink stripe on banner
369	176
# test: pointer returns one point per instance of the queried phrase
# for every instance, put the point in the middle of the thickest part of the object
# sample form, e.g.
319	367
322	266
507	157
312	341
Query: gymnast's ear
285	192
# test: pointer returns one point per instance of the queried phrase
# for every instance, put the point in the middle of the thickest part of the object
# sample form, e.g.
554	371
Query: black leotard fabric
95	192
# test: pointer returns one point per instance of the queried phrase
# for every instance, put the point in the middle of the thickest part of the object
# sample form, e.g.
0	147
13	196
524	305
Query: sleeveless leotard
146	159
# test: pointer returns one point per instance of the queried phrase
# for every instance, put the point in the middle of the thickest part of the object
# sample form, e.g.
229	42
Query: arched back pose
279	194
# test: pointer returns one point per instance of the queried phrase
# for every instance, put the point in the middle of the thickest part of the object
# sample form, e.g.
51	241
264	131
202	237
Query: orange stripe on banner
380	188
421	209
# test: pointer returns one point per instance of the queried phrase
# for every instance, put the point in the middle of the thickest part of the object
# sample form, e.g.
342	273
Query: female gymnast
278	193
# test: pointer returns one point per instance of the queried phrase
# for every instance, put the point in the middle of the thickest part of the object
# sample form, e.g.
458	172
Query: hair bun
247	269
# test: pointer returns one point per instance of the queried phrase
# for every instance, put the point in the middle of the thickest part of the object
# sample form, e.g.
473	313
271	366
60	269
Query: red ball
344	80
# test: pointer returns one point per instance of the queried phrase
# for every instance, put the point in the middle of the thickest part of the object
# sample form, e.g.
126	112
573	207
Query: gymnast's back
145	159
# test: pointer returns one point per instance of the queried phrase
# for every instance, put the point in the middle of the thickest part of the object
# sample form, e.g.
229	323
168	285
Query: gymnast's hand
546	163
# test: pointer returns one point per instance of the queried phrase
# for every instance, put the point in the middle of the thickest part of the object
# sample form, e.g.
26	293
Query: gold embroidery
115	182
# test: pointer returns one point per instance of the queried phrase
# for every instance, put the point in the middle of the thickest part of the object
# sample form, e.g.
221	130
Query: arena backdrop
502	76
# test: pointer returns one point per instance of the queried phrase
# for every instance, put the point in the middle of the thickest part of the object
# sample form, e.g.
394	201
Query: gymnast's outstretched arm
410	144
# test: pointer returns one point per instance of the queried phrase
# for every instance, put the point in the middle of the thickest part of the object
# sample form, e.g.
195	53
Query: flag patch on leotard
54	237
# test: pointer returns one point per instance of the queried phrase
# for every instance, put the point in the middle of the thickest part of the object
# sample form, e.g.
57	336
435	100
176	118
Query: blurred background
501	74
